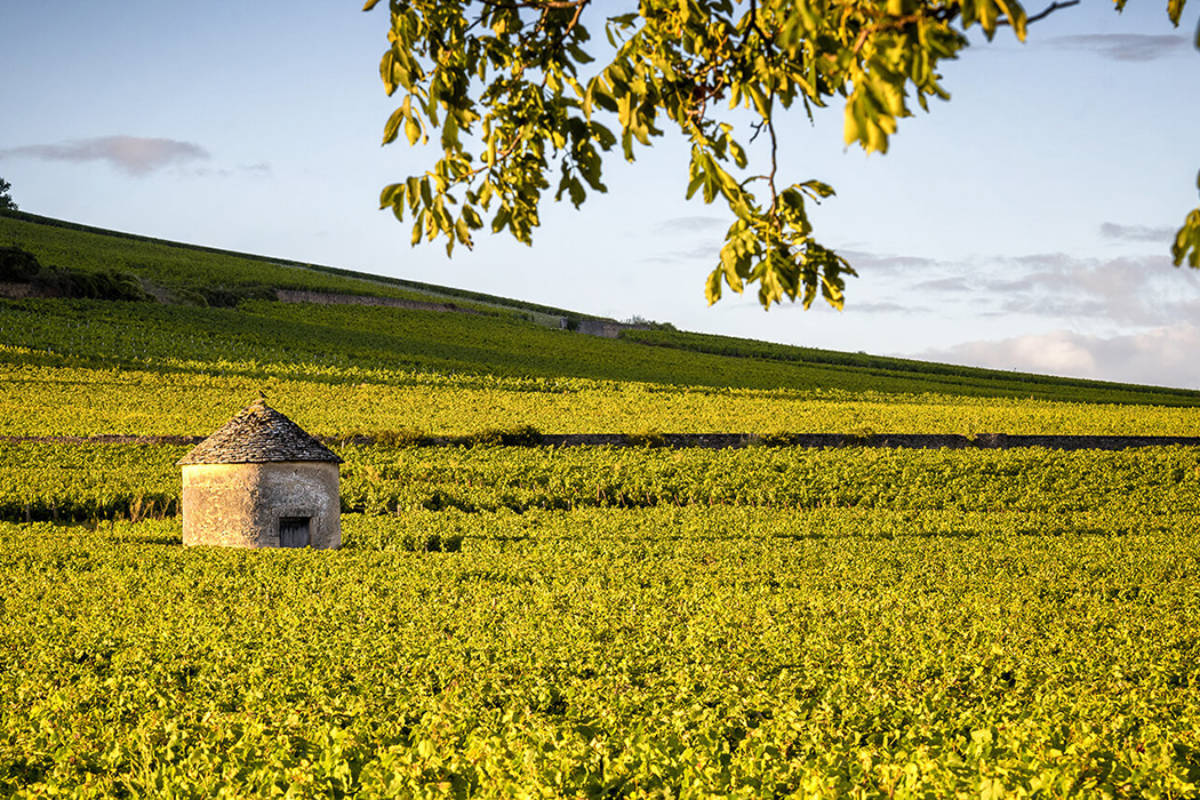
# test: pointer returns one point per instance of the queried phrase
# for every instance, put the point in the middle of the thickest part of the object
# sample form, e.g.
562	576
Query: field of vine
80	368
39	399
663	652
584	622
73	482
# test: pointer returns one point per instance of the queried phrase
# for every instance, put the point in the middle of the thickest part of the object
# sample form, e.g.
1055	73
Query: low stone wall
330	298
597	327
18	291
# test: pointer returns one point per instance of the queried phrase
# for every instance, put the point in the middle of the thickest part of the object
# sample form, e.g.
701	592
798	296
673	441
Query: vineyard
587	621
657	652
73	482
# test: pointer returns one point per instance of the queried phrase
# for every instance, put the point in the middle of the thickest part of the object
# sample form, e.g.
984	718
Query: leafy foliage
699	653
64	482
506	91
1188	237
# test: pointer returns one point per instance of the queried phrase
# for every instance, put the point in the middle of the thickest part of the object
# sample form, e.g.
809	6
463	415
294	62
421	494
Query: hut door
293	531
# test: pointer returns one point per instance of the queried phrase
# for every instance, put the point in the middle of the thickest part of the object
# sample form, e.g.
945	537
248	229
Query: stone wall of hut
241	505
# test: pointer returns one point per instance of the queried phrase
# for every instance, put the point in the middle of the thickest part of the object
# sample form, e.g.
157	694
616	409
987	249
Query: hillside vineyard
530	621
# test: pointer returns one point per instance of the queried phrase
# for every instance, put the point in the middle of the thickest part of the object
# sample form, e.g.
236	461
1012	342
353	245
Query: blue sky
1023	225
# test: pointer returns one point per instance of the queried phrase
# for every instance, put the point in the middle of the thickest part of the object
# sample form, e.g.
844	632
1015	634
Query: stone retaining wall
330	298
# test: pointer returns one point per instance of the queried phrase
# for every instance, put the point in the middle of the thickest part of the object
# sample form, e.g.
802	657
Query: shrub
17	265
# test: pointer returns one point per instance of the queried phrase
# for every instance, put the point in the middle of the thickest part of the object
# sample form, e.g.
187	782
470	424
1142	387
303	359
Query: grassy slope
175	264
110	333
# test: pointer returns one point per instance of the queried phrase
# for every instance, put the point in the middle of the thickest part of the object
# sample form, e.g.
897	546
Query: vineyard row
65	482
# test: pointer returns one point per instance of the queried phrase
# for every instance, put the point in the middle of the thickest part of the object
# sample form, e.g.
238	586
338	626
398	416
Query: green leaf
472	217
1187	241
392	128
503	217
412	129
739	155
386	65
392	195
730	268
712	287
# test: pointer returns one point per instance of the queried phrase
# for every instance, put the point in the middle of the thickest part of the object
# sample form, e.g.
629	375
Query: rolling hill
214	305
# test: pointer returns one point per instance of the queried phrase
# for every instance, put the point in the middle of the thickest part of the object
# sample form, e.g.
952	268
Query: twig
570	26
774	169
894	24
1050	9
754	24
945	15
544	4
758	128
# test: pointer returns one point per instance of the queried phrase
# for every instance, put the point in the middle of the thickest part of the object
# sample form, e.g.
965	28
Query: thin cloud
1163	355
1143	290
691	225
259	170
1043	261
708	252
1057	353
952	284
1123	46
884	308
1137	233
865	260
134	155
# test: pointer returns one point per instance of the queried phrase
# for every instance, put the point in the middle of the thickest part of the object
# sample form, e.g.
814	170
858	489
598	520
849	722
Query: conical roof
258	435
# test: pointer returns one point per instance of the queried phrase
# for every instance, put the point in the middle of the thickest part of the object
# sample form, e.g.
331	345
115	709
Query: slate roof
258	434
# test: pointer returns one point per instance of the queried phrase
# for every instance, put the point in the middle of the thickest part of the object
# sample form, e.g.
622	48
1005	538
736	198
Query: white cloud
864	261
134	155
1163	355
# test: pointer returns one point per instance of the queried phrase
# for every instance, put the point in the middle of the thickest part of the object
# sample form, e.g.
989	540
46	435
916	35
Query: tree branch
1047	11
754	24
946	14
774	169
543	4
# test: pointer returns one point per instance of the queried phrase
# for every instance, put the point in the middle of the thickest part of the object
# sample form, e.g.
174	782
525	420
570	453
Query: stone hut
261	481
